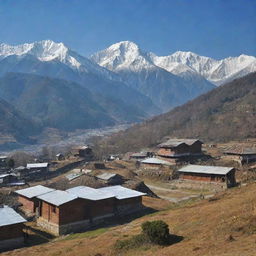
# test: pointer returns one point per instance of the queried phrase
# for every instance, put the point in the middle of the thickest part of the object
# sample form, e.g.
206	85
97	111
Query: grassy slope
205	226
225	113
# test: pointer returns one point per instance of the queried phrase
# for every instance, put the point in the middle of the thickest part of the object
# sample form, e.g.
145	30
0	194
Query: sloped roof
240	150
89	193
121	192
206	169
37	165
107	176
177	142
34	191
57	197
154	160
9	217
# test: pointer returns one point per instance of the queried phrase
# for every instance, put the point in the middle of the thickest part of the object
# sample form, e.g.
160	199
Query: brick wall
203	177
28	205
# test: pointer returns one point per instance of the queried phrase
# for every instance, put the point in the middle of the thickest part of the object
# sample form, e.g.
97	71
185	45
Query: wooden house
111	178
178	150
8	178
85	152
213	174
127	200
240	154
154	163
60	157
74	210
27	197
38	167
11	229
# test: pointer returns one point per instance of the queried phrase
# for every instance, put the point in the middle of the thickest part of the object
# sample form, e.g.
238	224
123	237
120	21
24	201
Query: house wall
126	206
203	177
11	231
28	205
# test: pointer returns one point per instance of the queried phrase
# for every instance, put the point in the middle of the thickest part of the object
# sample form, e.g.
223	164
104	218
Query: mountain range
223	114
54	86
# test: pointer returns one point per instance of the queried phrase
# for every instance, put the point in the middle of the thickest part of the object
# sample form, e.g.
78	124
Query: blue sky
214	28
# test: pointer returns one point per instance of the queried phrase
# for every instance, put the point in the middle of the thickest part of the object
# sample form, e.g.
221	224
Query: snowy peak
124	55
44	50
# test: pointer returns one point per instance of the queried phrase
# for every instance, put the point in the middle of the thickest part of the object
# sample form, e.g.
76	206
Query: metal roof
241	150
89	193
206	169
140	154
154	160
37	165
3	157
107	176
6	175
73	176
57	197
177	142
34	191
20	168
9	217
121	192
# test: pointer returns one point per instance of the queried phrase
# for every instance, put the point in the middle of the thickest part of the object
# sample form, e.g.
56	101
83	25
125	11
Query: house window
54	209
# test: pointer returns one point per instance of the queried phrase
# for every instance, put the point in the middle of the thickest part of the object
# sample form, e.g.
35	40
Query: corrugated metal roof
106	176
121	192
177	142
9	217
206	169
6	175
37	165
3	157
154	160
58	197
89	193
240	150
73	176
34	191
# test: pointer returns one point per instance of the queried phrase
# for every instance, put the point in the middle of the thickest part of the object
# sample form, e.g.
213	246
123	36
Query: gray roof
73	176
89	193
140	154
9	217
154	160
107	176
57	197
177	142
206	169
6	175
20	168
3	157
37	165
34	191
121	192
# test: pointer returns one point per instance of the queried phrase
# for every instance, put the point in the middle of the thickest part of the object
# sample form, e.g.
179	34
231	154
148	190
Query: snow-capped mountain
216	71
138	69
47	58
48	50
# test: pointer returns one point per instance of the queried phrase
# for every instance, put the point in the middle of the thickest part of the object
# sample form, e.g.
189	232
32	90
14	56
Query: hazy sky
214	28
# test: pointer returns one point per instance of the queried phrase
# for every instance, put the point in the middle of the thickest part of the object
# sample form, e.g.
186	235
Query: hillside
227	112
64	105
224	225
14	126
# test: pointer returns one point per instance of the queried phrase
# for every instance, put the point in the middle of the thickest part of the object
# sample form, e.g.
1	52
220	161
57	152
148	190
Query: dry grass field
223	225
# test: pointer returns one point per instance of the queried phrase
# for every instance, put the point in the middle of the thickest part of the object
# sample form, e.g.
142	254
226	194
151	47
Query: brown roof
176	142
240	150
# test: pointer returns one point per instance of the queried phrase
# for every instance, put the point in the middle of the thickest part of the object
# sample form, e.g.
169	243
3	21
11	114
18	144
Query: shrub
156	231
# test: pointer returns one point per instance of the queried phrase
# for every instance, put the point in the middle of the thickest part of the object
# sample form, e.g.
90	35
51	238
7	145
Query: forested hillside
225	113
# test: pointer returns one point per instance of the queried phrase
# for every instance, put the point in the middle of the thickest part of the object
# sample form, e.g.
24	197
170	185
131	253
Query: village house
111	178
140	155
154	163
27	197
38	167
85	152
213	174
127	200
178	150
60	157
240	154
78	208
11	229
8	178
